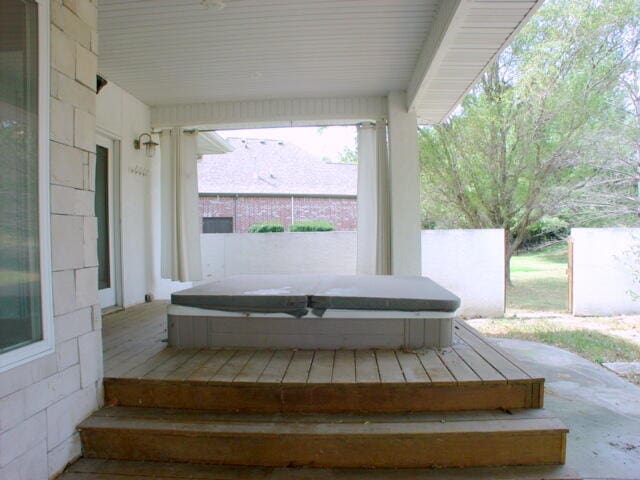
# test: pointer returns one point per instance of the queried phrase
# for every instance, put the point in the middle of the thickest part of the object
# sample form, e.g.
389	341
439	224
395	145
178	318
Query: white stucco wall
470	263
304	252
42	401
603	265
122	117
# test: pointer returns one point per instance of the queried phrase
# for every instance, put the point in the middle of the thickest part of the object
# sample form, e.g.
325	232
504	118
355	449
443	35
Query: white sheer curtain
374	223
180	250
383	213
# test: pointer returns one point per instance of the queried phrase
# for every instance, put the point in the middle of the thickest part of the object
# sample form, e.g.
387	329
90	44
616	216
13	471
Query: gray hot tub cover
296	294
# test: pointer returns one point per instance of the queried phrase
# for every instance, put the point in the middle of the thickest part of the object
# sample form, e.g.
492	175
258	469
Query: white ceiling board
484	28
200	65
180	52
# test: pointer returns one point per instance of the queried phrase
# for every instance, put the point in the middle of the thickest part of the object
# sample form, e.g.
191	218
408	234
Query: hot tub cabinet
313	311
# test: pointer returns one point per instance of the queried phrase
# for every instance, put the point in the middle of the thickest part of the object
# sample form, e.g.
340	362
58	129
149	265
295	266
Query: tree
614	193
515	150
348	155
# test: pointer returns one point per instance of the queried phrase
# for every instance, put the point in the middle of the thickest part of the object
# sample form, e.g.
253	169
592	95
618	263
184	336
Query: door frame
116	224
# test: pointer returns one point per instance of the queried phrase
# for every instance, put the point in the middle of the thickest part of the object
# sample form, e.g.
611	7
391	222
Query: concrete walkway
601	409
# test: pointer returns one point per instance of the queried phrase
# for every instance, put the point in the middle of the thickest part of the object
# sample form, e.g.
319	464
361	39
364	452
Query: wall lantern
149	145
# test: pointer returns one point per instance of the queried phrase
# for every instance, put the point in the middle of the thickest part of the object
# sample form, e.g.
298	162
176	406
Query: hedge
266	227
311	226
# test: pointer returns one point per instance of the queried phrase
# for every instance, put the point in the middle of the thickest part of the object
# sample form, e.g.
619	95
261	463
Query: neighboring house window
25	288
217	225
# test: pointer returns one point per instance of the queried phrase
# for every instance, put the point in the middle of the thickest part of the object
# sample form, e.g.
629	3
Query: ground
537	310
539	280
601	410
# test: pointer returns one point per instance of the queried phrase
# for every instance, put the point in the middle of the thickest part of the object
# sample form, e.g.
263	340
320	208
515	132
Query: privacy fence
604	269
468	262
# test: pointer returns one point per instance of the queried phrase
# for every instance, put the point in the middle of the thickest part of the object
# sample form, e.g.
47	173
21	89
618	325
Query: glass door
105	214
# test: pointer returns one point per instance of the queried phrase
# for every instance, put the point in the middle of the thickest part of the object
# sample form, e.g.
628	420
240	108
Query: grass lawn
539	280
597	346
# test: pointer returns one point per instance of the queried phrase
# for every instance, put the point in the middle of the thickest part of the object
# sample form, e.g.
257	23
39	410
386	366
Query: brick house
270	180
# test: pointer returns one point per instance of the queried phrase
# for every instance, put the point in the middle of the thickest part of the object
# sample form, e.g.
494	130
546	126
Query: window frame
218	218
43	347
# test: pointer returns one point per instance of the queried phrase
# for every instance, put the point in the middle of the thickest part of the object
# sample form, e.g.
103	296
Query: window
217	225
25	298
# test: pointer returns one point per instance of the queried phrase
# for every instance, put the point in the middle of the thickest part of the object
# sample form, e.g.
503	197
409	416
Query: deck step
266	397
464	439
92	469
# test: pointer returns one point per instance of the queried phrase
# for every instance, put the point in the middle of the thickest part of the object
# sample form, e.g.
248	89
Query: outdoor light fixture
149	145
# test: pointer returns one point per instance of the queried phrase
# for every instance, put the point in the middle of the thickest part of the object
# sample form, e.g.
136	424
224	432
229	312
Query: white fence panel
603	263
470	263
292	252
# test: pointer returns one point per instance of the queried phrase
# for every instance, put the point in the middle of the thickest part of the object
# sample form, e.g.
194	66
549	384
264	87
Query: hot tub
313	311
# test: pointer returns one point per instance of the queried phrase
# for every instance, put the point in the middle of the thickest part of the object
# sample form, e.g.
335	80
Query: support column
367	200
406	255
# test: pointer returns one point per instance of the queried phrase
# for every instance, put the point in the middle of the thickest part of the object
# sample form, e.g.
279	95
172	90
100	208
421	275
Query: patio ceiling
169	52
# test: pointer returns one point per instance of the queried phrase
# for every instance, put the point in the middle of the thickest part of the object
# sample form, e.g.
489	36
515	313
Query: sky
327	142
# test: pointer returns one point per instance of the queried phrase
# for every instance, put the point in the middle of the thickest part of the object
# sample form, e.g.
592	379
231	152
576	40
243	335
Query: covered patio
121	229
253	398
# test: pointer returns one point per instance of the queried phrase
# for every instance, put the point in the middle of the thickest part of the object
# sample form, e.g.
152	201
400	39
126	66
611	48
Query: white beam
449	18
406	258
274	113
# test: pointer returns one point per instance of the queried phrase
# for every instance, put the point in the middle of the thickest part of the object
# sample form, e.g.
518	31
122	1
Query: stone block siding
42	402
247	210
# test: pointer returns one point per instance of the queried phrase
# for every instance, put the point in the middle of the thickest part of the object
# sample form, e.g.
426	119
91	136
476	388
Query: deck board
366	367
190	366
412	369
489	352
215	361
388	366
435	367
322	367
254	367
479	365
277	367
232	368
344	367
298	369
166	368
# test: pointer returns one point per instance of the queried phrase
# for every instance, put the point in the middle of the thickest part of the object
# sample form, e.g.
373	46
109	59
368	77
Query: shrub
311	226
546	230
266	227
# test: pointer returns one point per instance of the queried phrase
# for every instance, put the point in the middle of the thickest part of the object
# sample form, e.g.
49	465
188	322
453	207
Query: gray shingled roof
272	167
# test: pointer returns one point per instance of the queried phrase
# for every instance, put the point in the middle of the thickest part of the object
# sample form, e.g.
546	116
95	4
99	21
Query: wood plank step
94	469
364	393
466	439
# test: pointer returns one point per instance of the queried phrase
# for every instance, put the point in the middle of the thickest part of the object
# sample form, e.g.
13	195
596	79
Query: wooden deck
140	367
247	413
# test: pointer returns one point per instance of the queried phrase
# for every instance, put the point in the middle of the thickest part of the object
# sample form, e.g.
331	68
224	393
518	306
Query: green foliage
348	155
593	345
545	230
312	226
539	280
521	146
266	227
